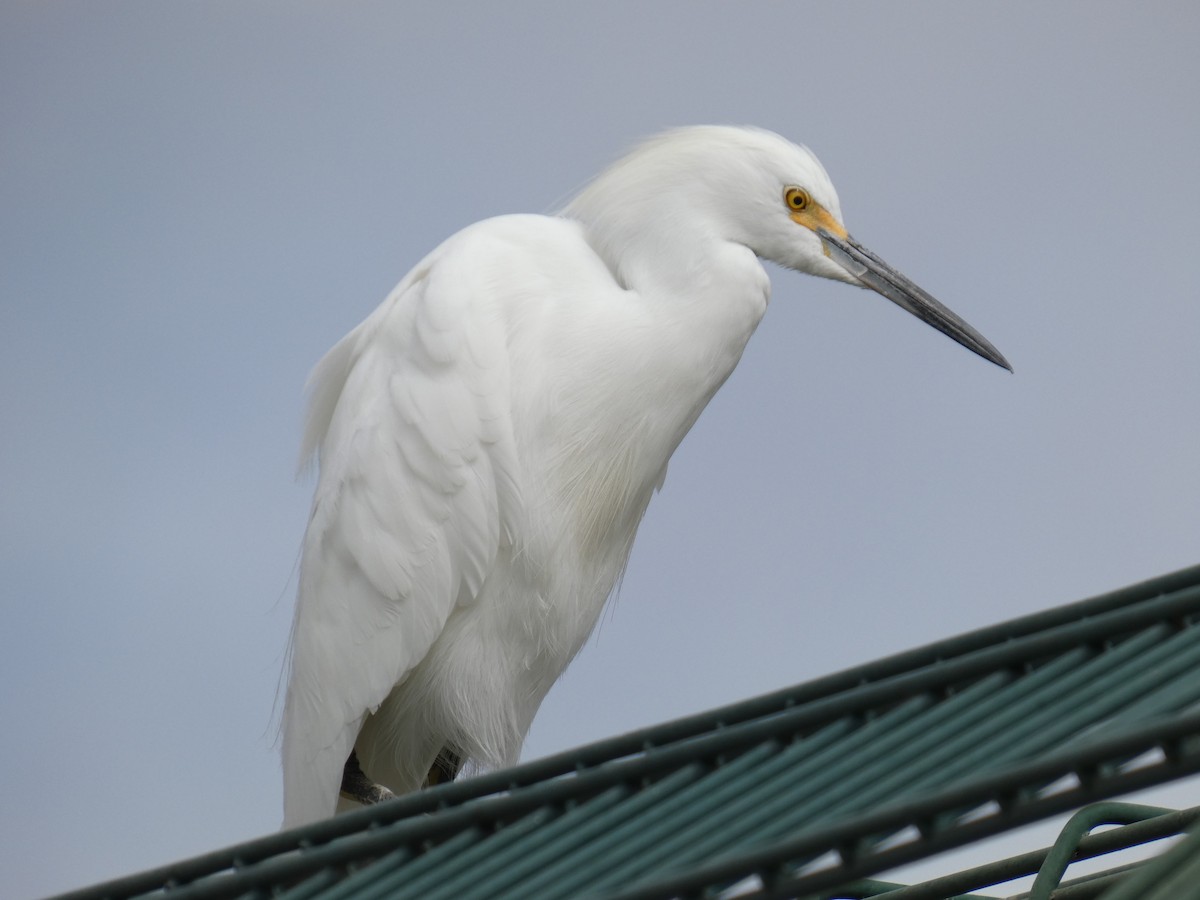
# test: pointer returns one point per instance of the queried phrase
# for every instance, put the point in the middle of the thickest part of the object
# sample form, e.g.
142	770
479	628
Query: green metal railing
804	789
1142	825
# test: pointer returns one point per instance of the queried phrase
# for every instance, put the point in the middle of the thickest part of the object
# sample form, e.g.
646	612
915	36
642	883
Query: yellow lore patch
816	217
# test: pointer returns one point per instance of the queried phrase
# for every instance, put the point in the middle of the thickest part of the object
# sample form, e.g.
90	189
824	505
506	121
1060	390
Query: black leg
357	786
445	768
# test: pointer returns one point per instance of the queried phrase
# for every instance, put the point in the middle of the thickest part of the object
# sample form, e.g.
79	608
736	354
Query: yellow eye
797	199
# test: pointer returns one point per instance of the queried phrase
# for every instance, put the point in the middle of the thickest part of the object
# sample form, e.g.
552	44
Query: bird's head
755	188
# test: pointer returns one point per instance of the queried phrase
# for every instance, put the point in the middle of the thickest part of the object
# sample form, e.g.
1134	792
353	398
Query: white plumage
490	436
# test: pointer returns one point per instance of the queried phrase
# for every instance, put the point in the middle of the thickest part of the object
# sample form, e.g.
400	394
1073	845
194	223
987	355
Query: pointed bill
873	272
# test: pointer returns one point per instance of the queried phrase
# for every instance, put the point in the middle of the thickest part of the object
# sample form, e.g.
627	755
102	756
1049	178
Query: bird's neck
708	293
702	293
673	260
703	296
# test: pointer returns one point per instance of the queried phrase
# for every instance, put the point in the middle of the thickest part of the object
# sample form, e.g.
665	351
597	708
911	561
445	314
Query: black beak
873	272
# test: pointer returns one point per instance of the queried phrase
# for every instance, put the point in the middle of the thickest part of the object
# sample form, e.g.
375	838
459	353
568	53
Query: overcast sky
197	200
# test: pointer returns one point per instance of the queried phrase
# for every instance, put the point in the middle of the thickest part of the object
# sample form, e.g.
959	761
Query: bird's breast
608	376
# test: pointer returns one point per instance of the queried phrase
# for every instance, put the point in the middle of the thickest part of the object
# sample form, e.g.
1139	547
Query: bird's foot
358	787
445	768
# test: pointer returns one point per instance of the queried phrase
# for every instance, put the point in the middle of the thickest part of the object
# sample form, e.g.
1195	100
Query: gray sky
197	200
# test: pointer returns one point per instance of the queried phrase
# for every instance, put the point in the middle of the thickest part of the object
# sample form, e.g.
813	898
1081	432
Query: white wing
418	477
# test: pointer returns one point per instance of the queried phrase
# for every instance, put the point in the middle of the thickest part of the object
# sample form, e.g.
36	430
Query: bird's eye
797	199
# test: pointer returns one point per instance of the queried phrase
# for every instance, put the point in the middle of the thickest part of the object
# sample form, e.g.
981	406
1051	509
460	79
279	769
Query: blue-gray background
196	200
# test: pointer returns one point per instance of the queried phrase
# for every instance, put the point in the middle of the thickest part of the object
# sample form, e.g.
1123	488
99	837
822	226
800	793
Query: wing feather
411	420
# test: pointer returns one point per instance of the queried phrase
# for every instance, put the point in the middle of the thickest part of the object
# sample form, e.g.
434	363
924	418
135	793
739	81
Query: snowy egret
490	436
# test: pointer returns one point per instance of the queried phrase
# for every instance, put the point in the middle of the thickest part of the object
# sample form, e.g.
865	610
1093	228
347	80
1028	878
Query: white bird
490	436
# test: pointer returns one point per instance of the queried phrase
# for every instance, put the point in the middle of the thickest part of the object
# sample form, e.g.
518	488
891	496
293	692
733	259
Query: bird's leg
445	768
358	787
